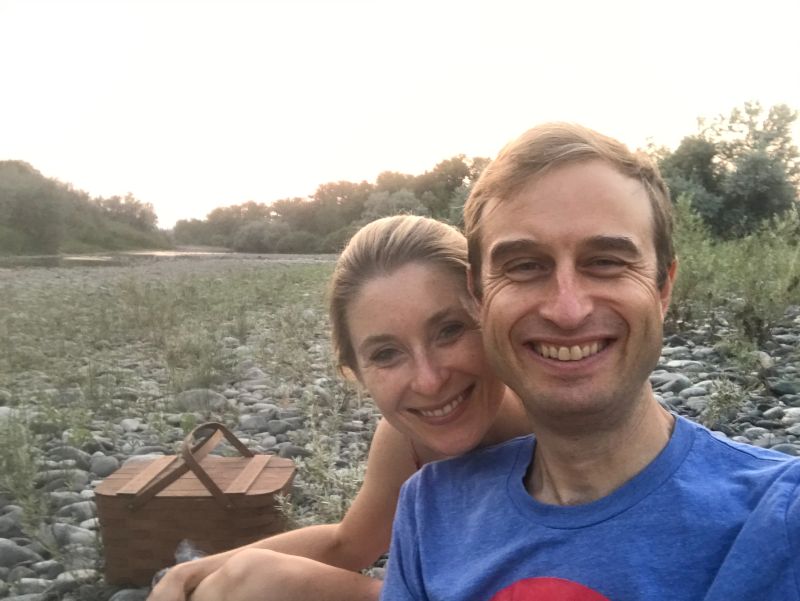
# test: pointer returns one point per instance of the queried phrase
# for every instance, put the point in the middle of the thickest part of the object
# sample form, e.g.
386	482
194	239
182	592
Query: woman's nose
429	376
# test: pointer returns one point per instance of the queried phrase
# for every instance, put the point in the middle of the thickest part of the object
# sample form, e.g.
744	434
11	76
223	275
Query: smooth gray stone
19	572
692	391
131	424
291	451
783	387
697	403
199	399
11	554
25	586
774	413
66	534
11	522
130	594
278	426
254	423
791	416
72	579
81	458
755	433
61	498
83	510
103	465
787	448
49	568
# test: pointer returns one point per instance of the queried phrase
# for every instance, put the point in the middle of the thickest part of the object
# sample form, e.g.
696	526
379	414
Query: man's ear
666	289
474	286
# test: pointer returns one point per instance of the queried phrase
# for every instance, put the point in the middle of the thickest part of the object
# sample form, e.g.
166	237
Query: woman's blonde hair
379	249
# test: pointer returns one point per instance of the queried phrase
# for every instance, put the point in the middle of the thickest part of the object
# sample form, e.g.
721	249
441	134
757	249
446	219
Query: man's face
572	316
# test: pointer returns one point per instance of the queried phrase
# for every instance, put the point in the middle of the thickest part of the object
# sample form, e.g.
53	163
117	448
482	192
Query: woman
404	326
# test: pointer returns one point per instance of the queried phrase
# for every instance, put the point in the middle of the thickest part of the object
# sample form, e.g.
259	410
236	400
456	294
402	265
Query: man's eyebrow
505	248
613	243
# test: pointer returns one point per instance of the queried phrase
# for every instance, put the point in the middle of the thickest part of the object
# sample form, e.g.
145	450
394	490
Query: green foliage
299	241
19	464
325	221
739	170
753	278
39	215
725	399
327	487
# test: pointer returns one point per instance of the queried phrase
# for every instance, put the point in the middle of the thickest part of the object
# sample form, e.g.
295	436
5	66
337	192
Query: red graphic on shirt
547	589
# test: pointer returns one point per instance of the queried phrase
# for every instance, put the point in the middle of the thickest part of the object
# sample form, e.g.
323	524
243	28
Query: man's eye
524	269
605	264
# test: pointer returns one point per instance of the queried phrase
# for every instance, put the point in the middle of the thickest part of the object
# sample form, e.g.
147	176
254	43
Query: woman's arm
352	544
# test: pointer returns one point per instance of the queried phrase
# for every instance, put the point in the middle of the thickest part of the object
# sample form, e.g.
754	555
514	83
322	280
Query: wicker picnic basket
147	507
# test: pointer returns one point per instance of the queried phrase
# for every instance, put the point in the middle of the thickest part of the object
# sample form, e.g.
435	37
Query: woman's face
420	355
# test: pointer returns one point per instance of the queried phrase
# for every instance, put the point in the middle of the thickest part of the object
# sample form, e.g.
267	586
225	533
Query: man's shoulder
712	444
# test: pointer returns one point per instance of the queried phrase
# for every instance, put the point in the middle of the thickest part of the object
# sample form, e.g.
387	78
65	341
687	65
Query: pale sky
198	104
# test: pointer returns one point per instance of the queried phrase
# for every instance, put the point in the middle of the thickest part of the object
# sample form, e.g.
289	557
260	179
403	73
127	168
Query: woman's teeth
446	410
570	353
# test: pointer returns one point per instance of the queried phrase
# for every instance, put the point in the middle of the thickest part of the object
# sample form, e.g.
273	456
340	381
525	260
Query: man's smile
574	352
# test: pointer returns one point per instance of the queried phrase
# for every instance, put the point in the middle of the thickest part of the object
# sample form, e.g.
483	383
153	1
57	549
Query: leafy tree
32	205
391	181
738	170
131	211
383	204
757	189
298	242
437	187
259	237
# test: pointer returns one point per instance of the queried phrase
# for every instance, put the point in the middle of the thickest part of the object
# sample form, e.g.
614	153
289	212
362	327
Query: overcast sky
194	105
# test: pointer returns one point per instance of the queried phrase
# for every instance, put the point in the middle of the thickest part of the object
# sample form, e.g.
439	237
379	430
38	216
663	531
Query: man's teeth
570	353
442	411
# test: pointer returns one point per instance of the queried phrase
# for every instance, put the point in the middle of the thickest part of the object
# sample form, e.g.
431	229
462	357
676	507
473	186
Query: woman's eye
384	356
451	331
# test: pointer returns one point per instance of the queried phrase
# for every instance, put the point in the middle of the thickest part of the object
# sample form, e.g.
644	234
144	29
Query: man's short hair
554	145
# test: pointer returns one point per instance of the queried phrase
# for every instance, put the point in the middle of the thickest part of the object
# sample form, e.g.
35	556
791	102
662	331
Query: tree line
737	172
40	215
325	221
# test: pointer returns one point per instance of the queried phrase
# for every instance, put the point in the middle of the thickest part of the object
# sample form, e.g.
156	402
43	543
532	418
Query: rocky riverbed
276	388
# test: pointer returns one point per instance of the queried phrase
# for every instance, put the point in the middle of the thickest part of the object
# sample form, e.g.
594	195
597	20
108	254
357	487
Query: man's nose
568	302
429	375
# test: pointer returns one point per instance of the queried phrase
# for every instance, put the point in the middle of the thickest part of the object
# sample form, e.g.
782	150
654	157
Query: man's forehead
573	202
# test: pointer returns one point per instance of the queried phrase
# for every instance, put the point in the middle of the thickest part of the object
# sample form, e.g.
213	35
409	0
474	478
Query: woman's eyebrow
440	316
374	340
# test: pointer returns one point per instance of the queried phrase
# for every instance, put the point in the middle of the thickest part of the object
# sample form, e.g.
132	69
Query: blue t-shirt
708	519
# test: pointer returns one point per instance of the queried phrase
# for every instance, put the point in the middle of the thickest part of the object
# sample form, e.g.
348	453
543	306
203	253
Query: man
614	497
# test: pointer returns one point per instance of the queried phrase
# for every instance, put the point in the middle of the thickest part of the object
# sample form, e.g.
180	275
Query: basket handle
161	474
192	459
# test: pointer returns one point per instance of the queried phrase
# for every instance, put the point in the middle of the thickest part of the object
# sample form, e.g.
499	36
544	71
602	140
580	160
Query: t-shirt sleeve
403	576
